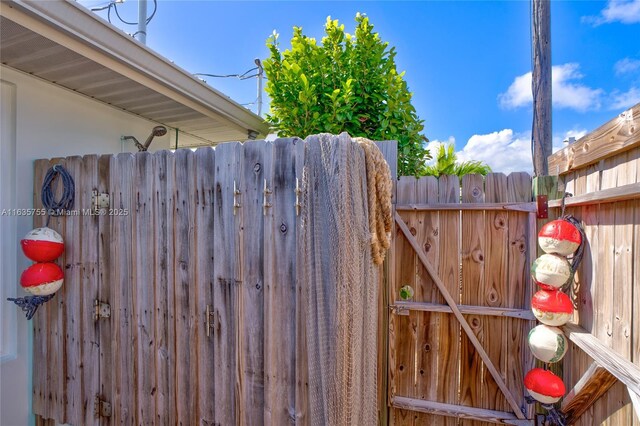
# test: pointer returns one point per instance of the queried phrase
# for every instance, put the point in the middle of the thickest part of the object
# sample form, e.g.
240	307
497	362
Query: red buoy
560	237
42	279
42	245
552	307
544	386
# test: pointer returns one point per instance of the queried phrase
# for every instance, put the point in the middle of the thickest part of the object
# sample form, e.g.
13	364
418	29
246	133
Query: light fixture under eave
252	134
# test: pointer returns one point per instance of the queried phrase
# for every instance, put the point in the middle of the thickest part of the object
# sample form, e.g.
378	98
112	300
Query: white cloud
567	93
627	66
624	11
506	151
503	151
624	100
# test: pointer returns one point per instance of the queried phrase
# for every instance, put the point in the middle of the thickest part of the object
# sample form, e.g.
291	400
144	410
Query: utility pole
260	75
541	86
141	34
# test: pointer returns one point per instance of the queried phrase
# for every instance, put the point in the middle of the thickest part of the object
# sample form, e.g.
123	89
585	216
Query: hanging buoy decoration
42	245
560	237
552	307
547	343
544	386
42	279
550	271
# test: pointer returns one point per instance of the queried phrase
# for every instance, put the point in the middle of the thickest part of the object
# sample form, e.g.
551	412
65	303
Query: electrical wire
114	5
242	76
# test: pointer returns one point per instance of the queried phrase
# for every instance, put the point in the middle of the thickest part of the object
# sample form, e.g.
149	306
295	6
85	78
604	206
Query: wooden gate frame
481	414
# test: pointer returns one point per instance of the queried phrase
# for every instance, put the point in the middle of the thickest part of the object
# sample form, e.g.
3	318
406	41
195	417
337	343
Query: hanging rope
577	256
66	201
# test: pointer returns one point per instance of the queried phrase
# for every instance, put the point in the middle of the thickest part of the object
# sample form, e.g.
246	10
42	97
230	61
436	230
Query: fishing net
341	283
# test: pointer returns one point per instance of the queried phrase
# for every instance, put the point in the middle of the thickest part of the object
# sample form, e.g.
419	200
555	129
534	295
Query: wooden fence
181	302
458	350
602	171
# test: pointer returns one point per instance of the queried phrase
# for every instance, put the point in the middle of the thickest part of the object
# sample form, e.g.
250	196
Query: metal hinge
101	310
99	200
210	320
101	408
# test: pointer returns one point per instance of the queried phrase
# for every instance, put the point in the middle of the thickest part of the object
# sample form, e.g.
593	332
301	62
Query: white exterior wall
41	120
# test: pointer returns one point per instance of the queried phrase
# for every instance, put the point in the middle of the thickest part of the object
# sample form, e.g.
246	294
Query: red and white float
559	236
42	279
42	245
547	343
551	271
544	386
552	307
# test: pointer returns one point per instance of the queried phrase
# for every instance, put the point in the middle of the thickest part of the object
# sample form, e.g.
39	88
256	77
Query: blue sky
466	62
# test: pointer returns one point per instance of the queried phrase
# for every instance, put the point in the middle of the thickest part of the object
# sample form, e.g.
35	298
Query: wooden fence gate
457	349
180	300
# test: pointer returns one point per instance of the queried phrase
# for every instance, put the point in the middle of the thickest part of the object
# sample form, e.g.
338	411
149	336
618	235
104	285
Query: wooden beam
458	411
620	193
520	207
613	137
463	322
400	307
623	369
635	401
594	383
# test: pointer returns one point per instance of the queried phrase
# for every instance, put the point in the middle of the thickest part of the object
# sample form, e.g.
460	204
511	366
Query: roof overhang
64	43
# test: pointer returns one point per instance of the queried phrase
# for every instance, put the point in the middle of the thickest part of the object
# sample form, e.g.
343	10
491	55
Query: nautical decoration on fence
544	386
552	307
42	279
563	242
42	245
559	236
548	344
551	271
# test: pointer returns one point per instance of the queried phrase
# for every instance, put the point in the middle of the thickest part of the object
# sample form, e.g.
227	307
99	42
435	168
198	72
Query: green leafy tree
346	83
447	164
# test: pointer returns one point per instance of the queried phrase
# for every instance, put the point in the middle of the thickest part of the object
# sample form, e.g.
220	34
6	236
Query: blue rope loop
65	203
30	304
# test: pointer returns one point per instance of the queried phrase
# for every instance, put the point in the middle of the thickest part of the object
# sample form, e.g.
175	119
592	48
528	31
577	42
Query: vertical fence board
403	365
301	361
428	323
519	287
251	291
105	284
280	286
143	248
205	163
495	289
40	324
449	271
183	265
228	158
163	290
73	263
56	315
473	282
124	343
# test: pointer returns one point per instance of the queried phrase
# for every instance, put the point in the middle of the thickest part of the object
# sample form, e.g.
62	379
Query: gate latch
101	408
101	310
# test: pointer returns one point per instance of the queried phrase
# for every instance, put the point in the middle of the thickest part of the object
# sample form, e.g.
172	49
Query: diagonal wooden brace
463	322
